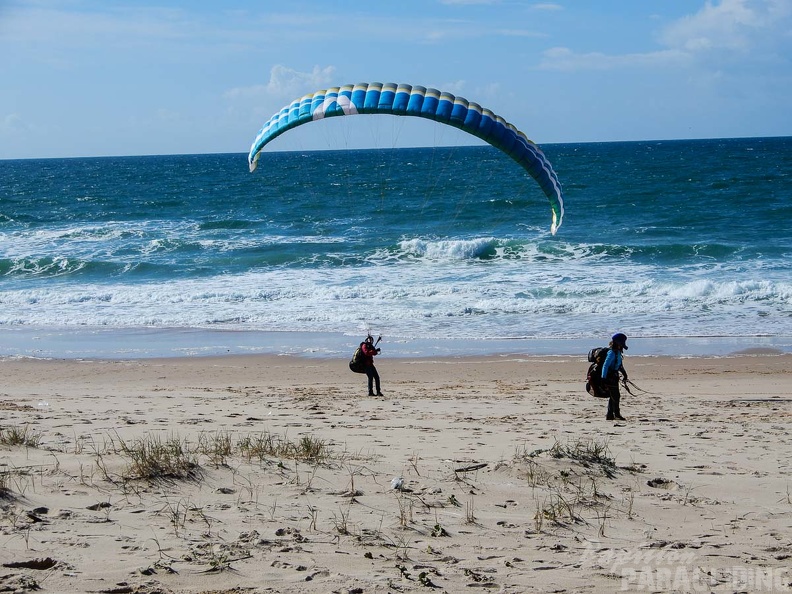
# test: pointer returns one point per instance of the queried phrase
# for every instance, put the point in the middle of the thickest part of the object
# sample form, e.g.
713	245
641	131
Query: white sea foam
449	249
415	299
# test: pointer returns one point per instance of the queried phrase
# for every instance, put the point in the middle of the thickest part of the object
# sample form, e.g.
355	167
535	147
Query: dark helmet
369	338
620	338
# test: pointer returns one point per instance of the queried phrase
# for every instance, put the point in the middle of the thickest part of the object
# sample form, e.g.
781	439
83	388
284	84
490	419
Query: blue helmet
621	339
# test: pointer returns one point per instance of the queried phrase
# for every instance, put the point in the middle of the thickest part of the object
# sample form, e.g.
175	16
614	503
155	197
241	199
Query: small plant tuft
265	445
20	436
584	451
153	458
217	447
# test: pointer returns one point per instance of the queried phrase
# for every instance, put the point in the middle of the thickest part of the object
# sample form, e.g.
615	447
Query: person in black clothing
369	352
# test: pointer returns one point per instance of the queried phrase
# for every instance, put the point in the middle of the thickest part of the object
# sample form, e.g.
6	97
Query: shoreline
157	343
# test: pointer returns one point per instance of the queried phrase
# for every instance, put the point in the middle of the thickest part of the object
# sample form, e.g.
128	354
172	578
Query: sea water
683	245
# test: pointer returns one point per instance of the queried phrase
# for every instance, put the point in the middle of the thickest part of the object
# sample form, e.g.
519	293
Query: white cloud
286	83
547	6
732	24
469	1
12	122
37	24
456	87
519	33
742	25
489	91
563	58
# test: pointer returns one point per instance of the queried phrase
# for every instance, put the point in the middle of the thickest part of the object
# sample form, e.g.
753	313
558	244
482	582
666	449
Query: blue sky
109	77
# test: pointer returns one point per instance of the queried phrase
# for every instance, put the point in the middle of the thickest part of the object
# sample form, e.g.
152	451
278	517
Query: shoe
380	394
371	393
609	418
619	418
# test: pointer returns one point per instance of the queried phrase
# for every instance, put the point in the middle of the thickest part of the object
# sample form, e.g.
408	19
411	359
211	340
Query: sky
110	77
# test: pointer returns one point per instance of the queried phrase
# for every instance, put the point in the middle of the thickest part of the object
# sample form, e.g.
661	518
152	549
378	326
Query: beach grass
20	435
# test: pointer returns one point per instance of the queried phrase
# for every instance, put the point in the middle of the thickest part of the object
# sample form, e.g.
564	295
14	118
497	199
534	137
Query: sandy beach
278	474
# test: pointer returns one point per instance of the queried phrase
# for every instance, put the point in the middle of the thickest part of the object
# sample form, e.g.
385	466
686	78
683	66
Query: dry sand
276	474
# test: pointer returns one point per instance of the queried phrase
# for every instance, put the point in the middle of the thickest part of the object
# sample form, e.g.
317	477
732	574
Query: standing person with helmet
610	374
370	350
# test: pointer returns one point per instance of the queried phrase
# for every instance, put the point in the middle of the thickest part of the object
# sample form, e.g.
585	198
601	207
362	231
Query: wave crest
452	249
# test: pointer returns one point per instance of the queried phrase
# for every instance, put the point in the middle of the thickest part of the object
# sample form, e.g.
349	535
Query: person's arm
610	359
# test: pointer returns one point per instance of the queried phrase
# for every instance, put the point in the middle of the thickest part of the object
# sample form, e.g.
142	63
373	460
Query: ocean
685	246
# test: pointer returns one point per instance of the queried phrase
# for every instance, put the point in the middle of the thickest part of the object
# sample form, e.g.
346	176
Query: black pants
373	377
613	399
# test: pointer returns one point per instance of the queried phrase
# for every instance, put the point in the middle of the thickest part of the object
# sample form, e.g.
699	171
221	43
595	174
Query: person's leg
613	399
370	371
616	395
376	381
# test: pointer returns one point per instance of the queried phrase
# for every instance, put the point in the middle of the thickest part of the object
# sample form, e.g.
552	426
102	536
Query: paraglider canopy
417	101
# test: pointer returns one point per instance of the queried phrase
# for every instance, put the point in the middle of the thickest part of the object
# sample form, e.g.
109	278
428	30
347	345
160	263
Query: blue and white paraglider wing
408	100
